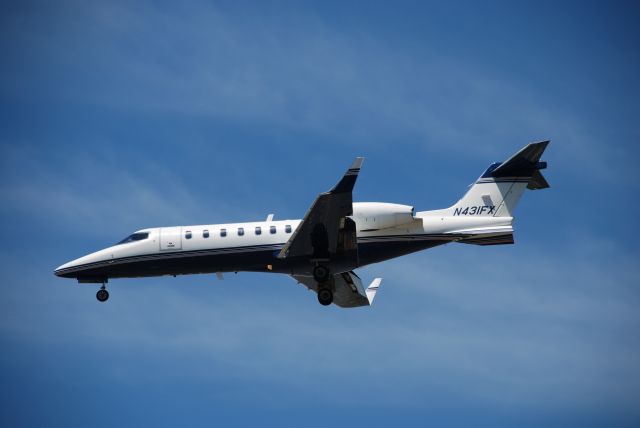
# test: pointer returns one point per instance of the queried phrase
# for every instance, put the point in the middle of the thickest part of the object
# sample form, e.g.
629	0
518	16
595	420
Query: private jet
335	236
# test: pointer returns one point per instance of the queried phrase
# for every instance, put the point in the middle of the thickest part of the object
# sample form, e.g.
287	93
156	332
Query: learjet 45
335	237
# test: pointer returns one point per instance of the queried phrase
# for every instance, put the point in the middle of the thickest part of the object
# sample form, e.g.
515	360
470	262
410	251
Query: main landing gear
325	296
102	295
321	273
322	276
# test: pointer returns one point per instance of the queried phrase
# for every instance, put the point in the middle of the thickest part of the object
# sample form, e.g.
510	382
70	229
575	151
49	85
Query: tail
498	190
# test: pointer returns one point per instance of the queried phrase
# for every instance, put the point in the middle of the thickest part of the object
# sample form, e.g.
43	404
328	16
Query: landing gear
325	296
321	273
102	295
322	276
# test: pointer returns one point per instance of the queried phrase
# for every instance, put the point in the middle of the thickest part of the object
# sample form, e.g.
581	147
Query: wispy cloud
509	333
95	196
304	75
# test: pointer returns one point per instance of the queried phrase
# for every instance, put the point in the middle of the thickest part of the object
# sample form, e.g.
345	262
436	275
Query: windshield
139	236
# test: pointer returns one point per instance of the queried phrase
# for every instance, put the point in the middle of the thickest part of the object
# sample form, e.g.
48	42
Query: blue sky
120	116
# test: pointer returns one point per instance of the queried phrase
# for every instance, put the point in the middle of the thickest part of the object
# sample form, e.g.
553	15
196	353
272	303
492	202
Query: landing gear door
170	238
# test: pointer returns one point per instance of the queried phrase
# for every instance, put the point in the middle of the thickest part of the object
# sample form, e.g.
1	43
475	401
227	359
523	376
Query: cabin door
171	238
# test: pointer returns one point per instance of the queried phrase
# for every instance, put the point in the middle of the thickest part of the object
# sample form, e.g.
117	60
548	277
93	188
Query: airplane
335	236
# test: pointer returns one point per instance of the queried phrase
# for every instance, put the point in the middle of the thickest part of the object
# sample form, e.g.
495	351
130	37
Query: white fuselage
335	237
384	231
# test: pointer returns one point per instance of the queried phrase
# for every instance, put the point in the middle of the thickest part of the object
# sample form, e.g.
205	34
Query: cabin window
258	230
187	234
287	228
272	230
223	232
135	237
240	231
205	233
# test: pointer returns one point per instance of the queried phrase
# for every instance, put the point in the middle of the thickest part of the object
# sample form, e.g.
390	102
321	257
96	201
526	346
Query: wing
317	235
348	289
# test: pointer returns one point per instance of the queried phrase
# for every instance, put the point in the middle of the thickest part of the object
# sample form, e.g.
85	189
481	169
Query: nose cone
60	270
67	270
86	266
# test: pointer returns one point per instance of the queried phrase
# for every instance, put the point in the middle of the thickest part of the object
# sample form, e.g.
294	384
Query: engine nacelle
381	215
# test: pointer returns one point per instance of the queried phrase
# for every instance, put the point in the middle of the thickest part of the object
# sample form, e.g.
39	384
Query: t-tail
498	190
484	215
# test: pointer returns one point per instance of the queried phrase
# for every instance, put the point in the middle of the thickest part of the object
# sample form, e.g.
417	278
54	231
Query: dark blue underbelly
255	259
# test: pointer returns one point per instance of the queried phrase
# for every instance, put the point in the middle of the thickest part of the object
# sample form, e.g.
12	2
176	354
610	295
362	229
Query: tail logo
475	210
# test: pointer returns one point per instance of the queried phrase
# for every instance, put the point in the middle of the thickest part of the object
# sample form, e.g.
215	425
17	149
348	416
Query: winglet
347	182
357	163
372	289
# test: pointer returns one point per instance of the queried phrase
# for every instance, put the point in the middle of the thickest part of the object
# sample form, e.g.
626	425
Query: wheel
102	295
321	273
325	296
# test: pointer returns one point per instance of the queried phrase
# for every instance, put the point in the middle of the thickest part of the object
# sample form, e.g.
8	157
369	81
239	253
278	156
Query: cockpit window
135	237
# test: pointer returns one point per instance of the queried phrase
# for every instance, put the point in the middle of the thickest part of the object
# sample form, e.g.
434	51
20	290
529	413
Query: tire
102	295
321	273
325	296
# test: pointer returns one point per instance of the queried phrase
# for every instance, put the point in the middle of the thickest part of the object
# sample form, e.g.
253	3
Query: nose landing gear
102	295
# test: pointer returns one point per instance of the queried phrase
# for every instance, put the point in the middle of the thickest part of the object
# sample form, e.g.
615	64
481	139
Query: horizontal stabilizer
537	182
523	163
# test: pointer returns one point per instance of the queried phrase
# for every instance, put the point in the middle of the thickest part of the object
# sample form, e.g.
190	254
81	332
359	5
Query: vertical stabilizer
498	190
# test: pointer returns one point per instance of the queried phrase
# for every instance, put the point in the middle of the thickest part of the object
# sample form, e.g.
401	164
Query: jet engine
371	216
